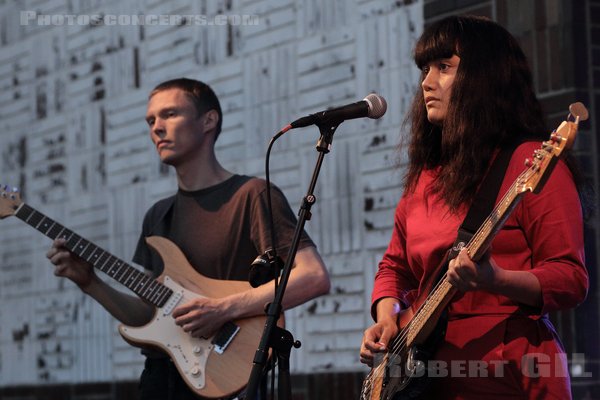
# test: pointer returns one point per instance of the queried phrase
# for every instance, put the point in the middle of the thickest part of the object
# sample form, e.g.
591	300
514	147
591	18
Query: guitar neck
141	284
442	293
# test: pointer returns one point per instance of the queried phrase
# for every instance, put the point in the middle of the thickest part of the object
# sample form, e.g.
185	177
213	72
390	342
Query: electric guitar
402	373
216	367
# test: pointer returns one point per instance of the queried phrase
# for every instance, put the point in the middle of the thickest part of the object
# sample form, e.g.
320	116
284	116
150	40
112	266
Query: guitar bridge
225	335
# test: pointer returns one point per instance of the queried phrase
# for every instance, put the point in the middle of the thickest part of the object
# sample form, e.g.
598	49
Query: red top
543	235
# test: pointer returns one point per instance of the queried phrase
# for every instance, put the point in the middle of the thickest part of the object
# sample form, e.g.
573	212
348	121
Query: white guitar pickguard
188	353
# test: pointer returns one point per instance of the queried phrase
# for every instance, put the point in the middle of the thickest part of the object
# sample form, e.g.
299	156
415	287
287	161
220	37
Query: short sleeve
284	223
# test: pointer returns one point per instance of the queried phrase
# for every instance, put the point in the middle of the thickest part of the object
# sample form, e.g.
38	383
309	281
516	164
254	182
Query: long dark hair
492	104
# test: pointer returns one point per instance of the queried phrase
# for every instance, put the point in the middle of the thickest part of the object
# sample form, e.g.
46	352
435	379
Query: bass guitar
402	372
215	367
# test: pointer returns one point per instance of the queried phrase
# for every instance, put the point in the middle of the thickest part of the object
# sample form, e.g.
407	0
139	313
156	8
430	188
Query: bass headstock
544	158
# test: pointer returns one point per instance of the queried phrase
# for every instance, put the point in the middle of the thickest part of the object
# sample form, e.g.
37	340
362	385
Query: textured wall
72	102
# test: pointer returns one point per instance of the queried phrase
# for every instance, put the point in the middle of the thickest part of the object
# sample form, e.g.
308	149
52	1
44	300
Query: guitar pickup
225	335
172	303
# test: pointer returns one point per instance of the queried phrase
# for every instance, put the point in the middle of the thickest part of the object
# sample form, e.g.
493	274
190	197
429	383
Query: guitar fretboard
141	284
477	246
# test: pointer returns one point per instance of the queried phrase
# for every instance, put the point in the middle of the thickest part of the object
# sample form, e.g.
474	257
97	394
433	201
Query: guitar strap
484	201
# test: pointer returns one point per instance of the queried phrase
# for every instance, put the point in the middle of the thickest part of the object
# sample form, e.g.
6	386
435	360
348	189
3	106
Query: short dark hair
201	95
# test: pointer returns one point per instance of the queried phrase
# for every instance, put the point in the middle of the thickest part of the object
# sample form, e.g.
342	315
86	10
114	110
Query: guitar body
205	371
214	367
405	371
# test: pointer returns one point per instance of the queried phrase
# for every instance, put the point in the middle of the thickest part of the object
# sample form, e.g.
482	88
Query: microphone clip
265	268
327	130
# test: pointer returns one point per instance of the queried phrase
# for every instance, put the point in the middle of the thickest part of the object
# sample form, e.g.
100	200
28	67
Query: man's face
176	129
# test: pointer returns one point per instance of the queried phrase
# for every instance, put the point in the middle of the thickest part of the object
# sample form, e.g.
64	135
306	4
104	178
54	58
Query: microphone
372	106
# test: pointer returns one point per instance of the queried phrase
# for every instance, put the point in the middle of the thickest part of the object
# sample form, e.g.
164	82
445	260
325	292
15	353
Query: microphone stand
274	337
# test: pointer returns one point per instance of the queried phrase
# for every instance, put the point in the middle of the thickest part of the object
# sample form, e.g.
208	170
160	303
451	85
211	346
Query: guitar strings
398	343
504	202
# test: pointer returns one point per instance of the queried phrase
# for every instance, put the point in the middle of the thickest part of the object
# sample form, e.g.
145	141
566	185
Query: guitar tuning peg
528	162
579	111
538	154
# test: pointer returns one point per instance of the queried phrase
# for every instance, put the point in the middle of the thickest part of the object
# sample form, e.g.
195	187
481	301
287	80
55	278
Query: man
218	219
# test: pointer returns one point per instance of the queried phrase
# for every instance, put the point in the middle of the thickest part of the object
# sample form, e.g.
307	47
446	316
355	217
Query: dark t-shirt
220	229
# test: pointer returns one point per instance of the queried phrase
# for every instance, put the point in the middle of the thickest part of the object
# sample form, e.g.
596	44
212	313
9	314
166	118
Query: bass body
402	372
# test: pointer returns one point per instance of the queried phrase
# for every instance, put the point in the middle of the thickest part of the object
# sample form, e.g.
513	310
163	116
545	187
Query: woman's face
438	76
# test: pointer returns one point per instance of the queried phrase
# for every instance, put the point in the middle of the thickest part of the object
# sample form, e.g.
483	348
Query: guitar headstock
10	200
544	158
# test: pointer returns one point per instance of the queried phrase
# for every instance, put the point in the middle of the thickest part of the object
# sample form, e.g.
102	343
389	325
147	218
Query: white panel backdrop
72	103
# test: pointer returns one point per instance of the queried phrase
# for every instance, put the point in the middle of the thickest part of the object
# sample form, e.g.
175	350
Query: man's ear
211	120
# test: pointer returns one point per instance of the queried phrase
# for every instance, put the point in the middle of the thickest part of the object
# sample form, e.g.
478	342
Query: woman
477	97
